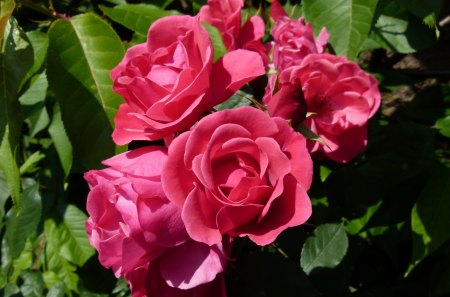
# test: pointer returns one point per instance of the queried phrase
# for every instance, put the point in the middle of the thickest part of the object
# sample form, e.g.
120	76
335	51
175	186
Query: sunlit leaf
69	236
238	99
20	226
217	41
64	271
429	218
443	125
6	9
33	284
403	36
39	42
347	21
61	140
82	52
136	17
326	248
16	57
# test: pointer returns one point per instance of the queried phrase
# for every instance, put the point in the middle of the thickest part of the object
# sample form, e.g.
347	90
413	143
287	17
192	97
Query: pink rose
241	173
293	39
170	81
225	15
339	96
132	224
147	281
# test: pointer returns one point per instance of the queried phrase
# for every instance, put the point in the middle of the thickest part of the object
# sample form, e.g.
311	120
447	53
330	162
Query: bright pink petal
232	71
200	219
276	10
191	264
177	180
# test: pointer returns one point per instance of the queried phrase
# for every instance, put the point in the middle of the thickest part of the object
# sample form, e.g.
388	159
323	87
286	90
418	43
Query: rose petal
191	264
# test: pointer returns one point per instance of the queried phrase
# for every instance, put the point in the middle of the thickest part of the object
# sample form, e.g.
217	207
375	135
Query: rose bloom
171	80
225	15
293	39
146	281
133	225
338	96
241	173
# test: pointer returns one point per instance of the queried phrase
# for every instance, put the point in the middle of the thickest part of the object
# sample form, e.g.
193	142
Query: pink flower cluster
164	217
332	96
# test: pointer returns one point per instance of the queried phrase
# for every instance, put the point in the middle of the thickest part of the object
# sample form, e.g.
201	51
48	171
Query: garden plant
193	148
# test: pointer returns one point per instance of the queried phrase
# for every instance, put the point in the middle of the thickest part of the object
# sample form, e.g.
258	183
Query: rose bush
339	97
293	39
133	226
171	80
240	173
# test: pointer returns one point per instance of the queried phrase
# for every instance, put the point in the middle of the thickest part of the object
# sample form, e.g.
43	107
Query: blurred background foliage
380	224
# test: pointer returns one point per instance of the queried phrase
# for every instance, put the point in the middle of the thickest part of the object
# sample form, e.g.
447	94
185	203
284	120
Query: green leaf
216	40
16	58
33	103
429	218
33	285
238	99
31	163
443	125
136	17
355	226
61	140
326	248
347	21
82	52
427	11
401	35
6	9
3	195
69	236
39	42
63	270
308	133
57	290
20	226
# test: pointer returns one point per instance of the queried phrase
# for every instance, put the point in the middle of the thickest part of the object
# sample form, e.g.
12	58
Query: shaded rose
339	97
241	173
225	15
293	39
132	224
147	281
167	82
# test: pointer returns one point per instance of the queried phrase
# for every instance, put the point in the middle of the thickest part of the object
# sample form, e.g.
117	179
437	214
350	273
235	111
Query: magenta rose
171	80
293	39
225	15
132	224
339	97
241	173
147	281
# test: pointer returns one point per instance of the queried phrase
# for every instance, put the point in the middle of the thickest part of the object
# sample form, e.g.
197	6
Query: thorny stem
254	101
38	8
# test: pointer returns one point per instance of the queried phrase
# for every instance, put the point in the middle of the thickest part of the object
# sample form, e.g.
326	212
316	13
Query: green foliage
217	41
16	57
401	35
429	217
136	17
380	222
6	9
443	125
82	52
347	21
326	248
21	225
